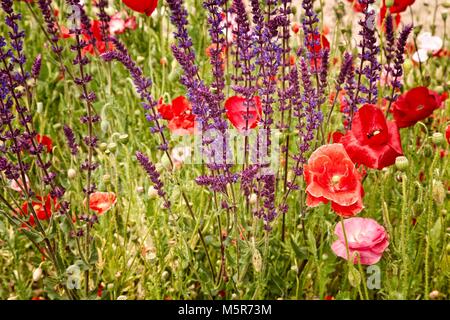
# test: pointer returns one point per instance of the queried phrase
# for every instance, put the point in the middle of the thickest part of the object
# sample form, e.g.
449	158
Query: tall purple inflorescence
154	176
369	65
13	75
52	27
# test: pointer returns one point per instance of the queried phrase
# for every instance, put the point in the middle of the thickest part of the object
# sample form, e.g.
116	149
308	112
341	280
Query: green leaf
32	235
300	252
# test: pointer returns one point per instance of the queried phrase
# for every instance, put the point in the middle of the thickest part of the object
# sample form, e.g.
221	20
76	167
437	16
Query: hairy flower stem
89	110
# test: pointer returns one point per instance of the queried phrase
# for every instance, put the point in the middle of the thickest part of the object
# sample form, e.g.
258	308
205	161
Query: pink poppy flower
101	202
367	240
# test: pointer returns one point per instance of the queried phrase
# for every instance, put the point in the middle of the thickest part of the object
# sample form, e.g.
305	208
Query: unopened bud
437	138
103	146
71	173
106	178
253	198
39	107
37	274
112	147
152	192
123	138
438	192
257	260
165	275
401	163
434	294
163	61
140	189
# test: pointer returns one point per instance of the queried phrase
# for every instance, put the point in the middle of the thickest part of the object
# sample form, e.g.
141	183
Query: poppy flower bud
140	189
389	3
257	260
71	173
103	146
253	198
165	275
57	126
294	10
106	179
434	294
295	27
39	107
401	163
438	192
163	61
123	138
437	138
104	125
112	147
37	274
152	192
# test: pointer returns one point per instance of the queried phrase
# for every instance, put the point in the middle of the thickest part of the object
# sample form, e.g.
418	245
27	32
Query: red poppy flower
331	176
356	5
45	141
447	133
179	114
335	137
373	141
398	6
239	116
415	105
100	45
101	202
183	124
43	207
142	6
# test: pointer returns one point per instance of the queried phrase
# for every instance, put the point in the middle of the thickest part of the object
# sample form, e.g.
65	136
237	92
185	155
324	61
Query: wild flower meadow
224	149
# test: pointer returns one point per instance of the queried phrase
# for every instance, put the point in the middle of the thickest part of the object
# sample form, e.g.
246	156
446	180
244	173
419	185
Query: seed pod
71	173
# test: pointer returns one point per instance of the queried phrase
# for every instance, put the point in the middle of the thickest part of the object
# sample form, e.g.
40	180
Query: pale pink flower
116	24
18	185
367	240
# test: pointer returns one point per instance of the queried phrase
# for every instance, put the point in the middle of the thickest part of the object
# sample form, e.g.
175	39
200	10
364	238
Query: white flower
181	154
420	55
426	41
